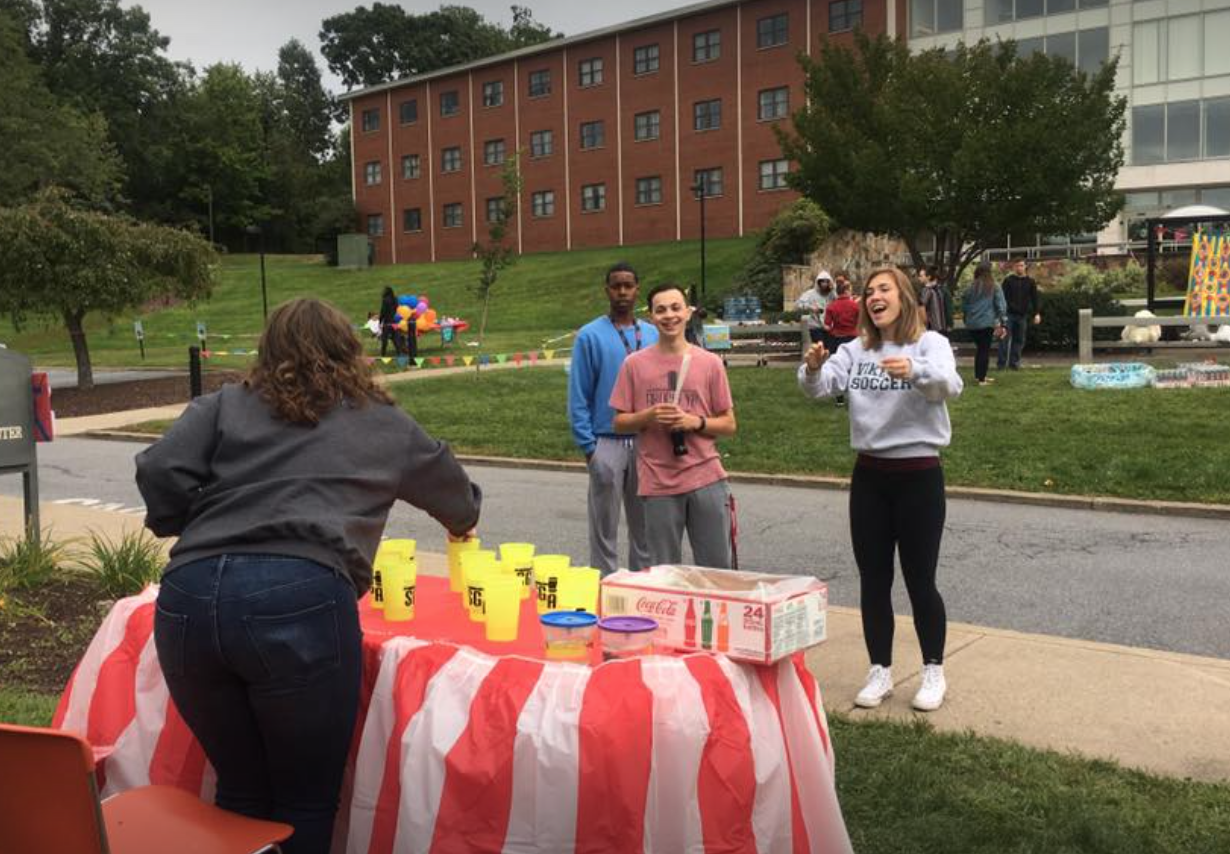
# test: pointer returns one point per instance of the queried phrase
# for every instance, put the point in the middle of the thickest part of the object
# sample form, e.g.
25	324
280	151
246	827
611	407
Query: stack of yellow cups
400	578
473	565
502	601
455	551
547	570
579	589
519	557
389	552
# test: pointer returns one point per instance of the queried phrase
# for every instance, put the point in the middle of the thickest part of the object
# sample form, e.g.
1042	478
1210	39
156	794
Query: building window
371	120
412	219
928	17
493	152
408	111
541	143
452	215
774	104
593	198
589	71
450	160
1181	131
845	15
375	225
410	166
592	135
542	203
647	125
645	59
493	93
495	209
773	174
540	83
773	31
707	46
1179	48
1003	11
709	180
649	191
707	115
450	103
371	173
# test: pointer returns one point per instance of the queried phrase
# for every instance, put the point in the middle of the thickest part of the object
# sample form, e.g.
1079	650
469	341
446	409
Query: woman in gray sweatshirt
278	489
896	377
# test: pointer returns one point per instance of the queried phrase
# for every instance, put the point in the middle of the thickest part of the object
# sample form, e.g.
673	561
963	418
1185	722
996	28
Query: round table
464	745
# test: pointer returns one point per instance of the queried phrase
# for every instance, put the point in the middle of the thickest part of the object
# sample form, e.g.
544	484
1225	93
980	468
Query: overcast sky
251	31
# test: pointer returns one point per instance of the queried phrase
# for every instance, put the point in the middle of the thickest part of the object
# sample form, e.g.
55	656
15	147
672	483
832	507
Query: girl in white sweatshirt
896	377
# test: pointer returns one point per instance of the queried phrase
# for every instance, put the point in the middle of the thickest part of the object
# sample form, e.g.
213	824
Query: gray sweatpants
704	513
612	483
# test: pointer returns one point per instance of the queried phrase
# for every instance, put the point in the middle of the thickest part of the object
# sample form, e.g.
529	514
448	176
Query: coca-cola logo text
656	607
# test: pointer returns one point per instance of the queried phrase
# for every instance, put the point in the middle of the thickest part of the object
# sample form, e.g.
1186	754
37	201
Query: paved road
67	377
1151	581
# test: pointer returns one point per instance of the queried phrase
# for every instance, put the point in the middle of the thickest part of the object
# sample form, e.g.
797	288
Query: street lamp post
701	189
260	232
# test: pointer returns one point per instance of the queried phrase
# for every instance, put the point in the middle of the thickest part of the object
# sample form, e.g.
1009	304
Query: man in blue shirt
599	351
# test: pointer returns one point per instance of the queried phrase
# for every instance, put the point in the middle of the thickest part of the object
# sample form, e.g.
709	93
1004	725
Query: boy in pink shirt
679	468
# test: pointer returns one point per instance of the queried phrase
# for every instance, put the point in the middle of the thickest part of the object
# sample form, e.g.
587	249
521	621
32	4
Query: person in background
841	322
279	489
679	469
931	299
373	324
388	319
985	312
897	376
812	303
599	352
1021	294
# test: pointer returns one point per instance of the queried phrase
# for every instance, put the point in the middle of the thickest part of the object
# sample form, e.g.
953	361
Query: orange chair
49	805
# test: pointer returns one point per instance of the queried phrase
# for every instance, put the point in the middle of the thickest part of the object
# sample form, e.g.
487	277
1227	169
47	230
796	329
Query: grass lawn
1030	431
907	788
541	297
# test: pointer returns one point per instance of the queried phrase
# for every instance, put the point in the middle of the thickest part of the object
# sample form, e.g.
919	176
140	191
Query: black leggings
899	511
982	356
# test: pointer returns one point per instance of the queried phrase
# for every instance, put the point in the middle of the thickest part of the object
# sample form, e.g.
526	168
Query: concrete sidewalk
1158	711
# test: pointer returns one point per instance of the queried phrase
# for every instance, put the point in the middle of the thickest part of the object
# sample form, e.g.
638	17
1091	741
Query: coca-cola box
748	616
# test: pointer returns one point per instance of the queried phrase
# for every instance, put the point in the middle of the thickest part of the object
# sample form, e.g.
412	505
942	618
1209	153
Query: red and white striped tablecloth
461	751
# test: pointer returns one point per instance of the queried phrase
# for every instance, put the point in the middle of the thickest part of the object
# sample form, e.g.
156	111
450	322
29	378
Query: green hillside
542	297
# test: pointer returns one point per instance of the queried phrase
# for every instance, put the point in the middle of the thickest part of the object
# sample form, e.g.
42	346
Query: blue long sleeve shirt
597	357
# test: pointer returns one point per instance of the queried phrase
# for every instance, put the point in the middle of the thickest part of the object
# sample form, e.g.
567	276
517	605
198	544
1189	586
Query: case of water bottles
748	616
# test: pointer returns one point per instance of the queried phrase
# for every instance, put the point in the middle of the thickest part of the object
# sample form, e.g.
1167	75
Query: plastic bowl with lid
568	635
626	637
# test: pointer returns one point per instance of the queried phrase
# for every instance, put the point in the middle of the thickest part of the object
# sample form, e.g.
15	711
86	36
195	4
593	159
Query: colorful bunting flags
534	358
517	357
448	360
501	358
420	361
467	360
548	354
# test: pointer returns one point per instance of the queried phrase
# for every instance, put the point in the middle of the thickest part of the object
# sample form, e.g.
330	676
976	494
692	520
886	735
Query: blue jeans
1014	341
263	656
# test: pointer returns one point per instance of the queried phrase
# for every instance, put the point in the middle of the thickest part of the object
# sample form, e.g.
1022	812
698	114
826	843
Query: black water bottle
678	444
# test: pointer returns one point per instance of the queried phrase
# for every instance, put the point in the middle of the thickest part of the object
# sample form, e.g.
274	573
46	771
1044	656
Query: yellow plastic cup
400	547
399	584
547	570
520	557
380	567
455	551
580	590
473	564
502	598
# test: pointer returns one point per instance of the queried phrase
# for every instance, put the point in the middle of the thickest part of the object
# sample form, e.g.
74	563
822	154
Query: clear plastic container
627	637
568	635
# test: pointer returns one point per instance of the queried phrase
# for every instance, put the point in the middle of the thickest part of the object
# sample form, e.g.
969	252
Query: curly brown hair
309	361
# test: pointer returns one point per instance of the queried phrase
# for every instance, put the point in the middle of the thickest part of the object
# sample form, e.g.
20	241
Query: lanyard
636	327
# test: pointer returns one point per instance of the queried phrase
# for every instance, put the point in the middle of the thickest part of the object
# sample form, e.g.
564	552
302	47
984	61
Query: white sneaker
930	694
879	685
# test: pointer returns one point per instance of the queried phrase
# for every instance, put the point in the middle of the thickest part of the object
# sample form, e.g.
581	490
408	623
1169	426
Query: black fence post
194	371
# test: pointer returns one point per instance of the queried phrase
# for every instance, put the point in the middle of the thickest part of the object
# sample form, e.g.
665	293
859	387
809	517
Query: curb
1097	503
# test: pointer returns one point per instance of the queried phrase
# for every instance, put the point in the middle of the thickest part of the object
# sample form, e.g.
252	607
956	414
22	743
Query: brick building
616	126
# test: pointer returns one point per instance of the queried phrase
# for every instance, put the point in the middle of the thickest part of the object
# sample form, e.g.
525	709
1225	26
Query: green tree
60	262
496	254
792	235
305	107
45	141
968	147
369	46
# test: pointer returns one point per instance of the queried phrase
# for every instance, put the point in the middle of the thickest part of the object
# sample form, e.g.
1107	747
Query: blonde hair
309	361
910	323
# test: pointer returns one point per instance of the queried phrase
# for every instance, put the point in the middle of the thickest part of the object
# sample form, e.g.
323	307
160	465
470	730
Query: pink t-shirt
648	378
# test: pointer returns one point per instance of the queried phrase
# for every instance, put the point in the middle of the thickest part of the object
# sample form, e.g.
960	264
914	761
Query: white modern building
1174	69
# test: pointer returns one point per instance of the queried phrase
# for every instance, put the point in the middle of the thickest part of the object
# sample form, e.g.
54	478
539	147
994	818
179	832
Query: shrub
26	563
792	235
127	567
1059	328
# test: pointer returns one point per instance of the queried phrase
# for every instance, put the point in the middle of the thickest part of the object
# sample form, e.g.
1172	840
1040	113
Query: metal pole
703	188
30	482
210	189
194	371
264	294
